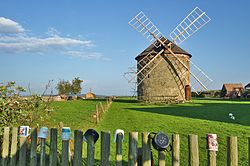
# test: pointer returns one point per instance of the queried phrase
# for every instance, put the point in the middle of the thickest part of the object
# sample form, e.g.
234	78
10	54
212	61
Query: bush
17	110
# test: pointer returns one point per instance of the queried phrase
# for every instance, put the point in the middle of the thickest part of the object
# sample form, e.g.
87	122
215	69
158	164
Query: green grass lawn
75	114
199	117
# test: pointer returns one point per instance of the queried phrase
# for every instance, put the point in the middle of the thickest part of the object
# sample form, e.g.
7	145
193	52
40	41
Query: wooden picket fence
101	108
23	151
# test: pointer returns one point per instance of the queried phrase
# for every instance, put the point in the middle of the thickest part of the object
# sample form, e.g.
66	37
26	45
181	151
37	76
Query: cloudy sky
53	40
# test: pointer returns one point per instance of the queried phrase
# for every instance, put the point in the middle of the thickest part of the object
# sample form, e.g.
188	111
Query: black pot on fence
92	133
160	141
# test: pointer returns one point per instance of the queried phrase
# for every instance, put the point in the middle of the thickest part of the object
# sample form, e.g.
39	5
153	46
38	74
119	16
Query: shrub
17	110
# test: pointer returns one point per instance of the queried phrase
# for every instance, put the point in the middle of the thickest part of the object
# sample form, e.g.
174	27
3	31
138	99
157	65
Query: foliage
17	110
67	87
76	86
63	87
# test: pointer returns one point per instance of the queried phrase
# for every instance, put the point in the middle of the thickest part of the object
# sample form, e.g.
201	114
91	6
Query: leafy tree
64	87
76	86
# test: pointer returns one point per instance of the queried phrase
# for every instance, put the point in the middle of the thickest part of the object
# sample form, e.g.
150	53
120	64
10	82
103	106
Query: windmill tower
164	71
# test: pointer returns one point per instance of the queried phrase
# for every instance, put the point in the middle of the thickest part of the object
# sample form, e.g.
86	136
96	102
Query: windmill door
187	92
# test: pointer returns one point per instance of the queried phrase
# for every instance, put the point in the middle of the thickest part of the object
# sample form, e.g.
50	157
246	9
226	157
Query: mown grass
199	117
77	114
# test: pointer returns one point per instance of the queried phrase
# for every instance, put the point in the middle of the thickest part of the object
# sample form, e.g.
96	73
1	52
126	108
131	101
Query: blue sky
59	39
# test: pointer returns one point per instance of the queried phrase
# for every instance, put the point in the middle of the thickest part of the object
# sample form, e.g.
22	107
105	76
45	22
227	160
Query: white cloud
26	44
86	55
8	26
14	40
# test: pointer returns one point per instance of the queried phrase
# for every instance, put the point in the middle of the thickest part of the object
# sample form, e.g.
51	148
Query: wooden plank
13	150
133	145
5	146
90	151
97	114
176	150
53	147
193	150
118	157
161	158
211	158
103	110
232	151
65	153
43	152
105	148
33	148
77	158
248	151
146	149
22	151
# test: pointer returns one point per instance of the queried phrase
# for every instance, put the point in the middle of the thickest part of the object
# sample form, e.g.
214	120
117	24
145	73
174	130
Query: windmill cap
176	49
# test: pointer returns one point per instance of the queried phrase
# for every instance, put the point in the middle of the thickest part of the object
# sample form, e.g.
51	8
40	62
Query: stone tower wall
163	84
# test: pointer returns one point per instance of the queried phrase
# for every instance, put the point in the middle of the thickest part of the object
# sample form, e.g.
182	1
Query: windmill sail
189	25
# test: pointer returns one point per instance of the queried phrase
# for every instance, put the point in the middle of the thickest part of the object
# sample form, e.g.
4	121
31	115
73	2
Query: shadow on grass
205	110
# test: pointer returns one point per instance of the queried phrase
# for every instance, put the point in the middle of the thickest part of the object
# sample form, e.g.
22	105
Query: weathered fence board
105	148
53	147
133	146
146	149
232	151
5	147
9	156
77	159
33	148
13	149
119	149
176	150
193	150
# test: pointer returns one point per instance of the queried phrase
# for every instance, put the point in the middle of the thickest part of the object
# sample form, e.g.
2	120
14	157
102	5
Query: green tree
76	86
63	87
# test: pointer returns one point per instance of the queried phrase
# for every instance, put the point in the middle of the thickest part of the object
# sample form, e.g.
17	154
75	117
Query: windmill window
148	75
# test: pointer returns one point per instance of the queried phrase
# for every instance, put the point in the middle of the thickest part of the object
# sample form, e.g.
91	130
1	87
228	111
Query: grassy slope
199	117
75	114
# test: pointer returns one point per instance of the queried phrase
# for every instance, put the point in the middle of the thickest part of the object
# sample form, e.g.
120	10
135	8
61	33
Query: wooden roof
176	49
231	87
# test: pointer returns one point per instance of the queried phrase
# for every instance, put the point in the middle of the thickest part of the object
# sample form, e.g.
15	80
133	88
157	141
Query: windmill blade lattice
143	25
204	80
190	24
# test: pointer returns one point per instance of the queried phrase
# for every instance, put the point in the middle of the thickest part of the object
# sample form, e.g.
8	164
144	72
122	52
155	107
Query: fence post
102	107
146	149
105	148
176	150
77	159
193	150
161	158
97	115
211	155
43	152
133	144
65	153
118	157
13	150
90	151
22	151
248	151
33	148
5	146
53	147
232	151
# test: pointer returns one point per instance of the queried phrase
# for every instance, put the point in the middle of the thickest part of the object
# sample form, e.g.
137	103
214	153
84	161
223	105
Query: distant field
199	117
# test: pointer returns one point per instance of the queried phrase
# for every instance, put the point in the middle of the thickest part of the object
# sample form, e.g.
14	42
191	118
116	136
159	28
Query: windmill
164	71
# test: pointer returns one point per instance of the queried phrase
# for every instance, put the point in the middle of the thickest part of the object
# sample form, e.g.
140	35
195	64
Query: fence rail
24	151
